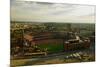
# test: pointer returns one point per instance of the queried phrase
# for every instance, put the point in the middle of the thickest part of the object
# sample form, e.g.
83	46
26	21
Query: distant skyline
51	12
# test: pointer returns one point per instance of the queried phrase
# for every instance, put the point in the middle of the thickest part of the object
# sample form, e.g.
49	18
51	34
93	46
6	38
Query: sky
51	12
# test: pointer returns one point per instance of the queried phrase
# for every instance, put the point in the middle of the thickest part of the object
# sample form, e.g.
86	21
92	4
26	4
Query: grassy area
52	47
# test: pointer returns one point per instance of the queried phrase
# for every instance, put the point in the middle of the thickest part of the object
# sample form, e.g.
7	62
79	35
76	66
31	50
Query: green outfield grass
52	47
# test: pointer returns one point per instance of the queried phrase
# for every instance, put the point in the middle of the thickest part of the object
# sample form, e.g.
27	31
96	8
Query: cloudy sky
51	12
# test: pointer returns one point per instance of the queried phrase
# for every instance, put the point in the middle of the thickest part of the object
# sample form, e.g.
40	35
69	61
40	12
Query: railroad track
62	54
